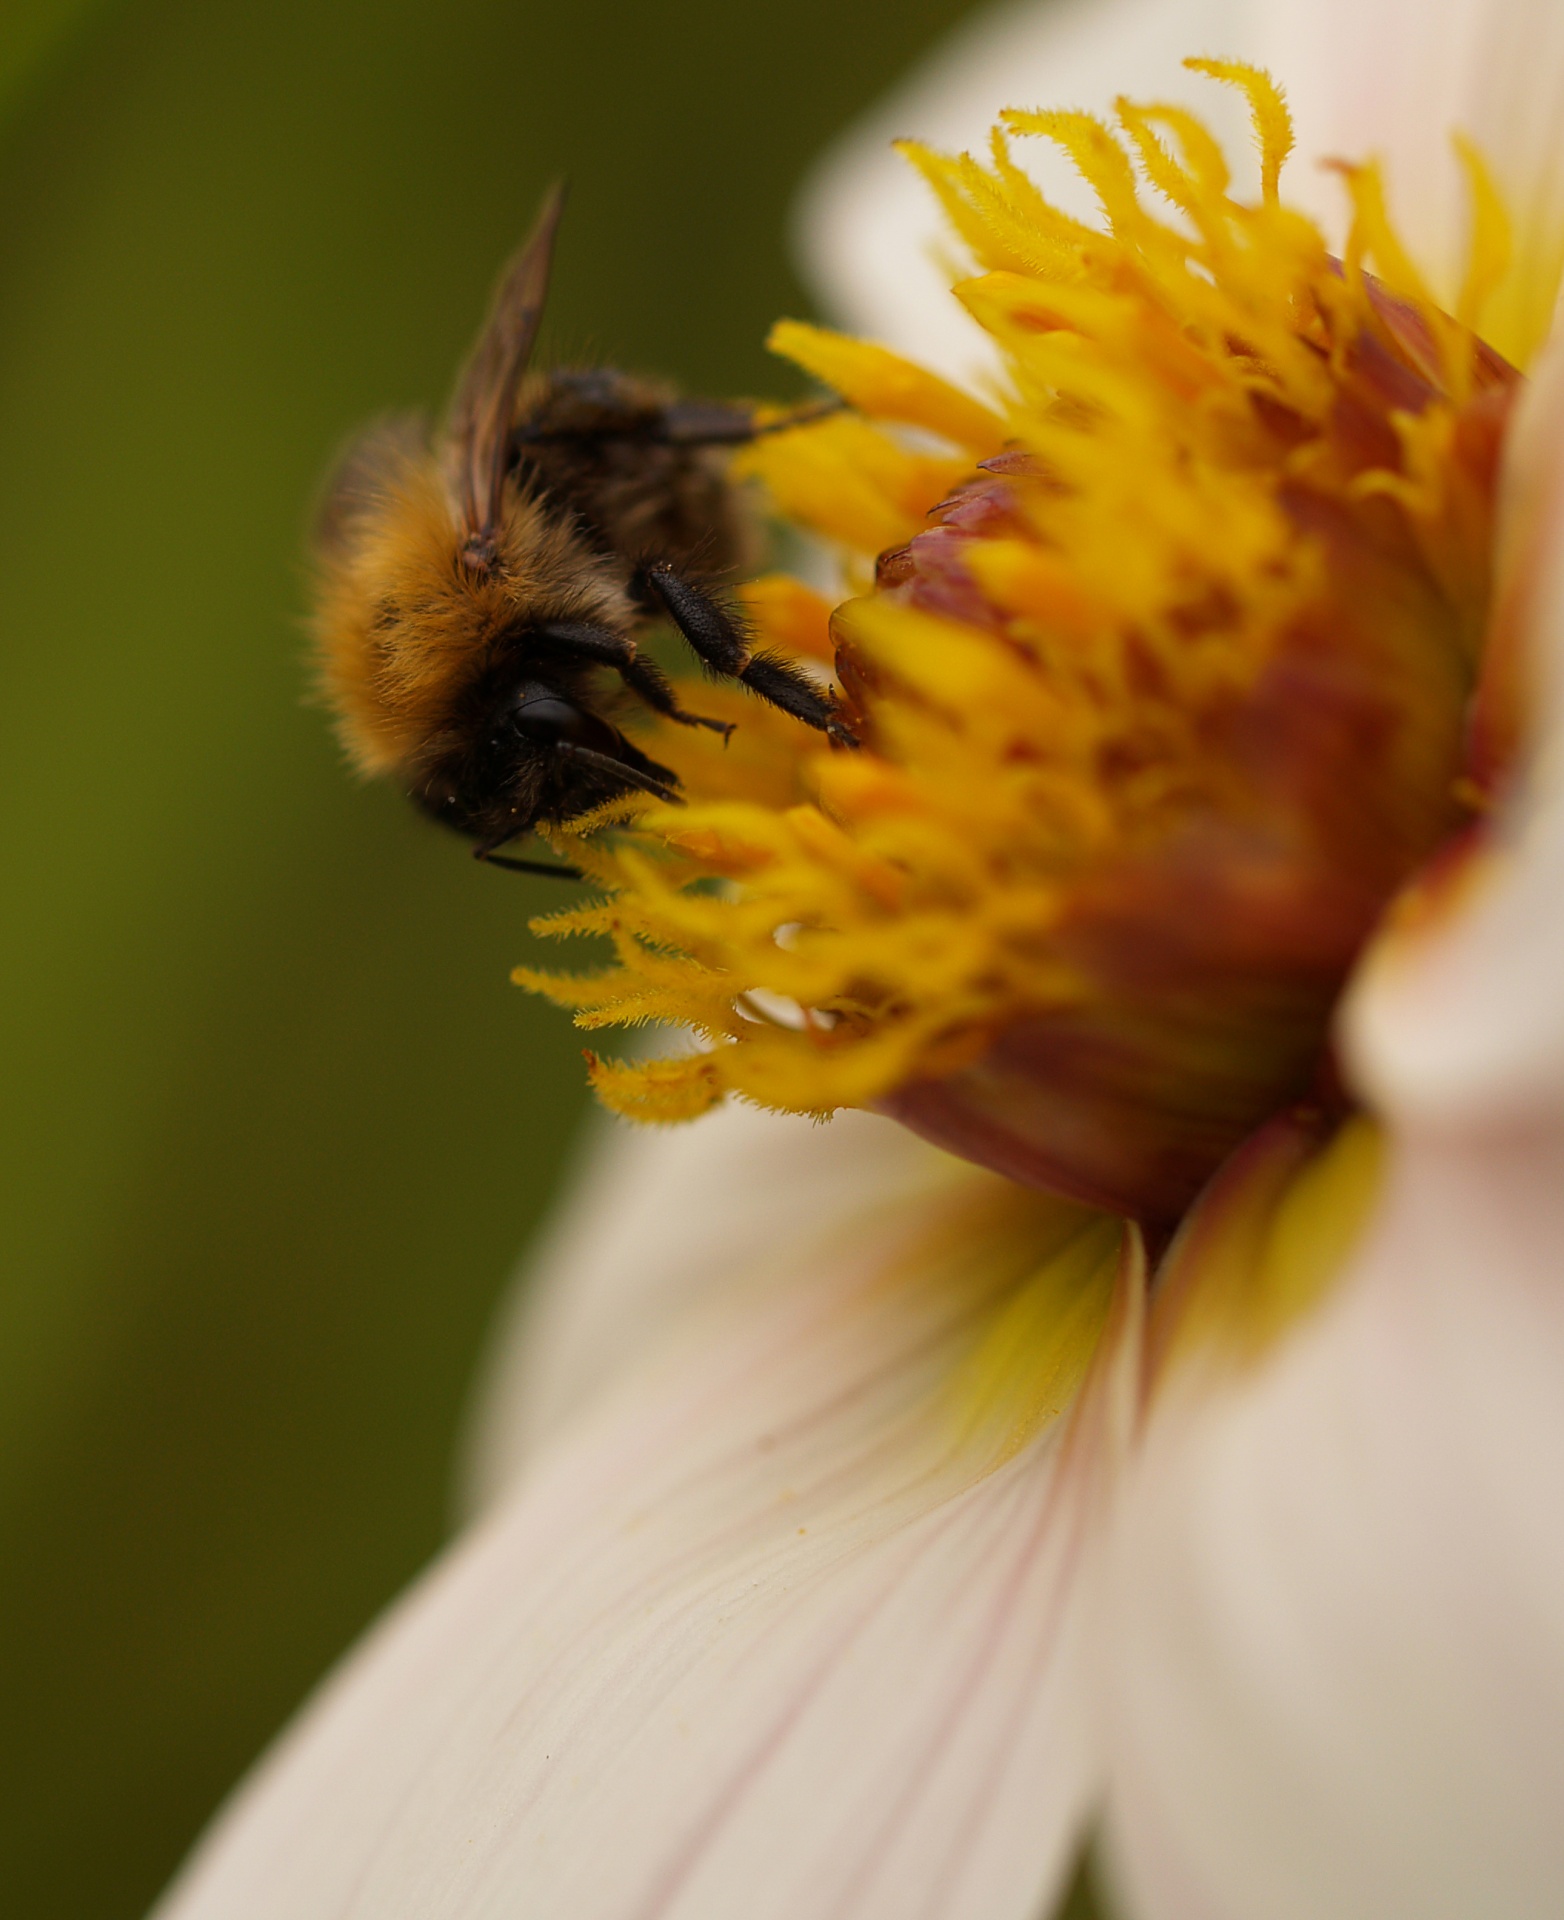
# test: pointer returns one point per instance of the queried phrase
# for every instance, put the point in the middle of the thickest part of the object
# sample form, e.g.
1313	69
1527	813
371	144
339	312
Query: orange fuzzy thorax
401	627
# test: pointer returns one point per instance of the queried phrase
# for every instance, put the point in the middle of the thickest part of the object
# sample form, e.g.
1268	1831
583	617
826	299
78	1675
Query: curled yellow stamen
1160	671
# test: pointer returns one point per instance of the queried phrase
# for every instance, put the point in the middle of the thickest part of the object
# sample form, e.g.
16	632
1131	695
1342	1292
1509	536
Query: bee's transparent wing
485	403
365	472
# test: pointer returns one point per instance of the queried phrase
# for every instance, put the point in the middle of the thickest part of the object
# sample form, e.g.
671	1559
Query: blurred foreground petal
656	1221
791	1624
1362	77
868	231
1339	1625
1460	1023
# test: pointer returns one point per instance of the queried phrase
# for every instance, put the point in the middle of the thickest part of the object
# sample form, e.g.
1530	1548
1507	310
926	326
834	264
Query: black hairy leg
675	423
724	648
588	641
714	423
643	677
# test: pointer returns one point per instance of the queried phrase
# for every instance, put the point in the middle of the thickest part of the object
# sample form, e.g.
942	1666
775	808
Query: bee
481	597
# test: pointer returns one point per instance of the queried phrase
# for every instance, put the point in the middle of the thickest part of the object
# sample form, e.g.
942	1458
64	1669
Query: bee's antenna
551	869
632	776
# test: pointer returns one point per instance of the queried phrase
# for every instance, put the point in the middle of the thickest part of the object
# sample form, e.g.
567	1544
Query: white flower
832	1560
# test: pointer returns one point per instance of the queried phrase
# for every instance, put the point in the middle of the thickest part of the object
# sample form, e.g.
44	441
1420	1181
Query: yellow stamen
792	616
1491	252
1273	132
660	1091
849	482
1159	705
884	386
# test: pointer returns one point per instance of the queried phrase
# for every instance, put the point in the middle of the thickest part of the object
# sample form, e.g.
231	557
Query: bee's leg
714	423
725	650
682	423
648	680
591	642
641	676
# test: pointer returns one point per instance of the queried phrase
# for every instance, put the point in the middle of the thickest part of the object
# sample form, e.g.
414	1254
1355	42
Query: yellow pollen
1159	660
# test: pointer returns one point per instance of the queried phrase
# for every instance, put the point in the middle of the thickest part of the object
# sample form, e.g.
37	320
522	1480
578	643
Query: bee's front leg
584	638
604	646
648	680
726	650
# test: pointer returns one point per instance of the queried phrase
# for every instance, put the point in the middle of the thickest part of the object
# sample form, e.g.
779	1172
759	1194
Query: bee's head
532	752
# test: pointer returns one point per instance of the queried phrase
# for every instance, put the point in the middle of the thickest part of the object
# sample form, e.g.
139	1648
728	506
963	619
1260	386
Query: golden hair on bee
479	596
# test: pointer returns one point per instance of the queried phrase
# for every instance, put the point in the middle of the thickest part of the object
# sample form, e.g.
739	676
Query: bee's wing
365	472
485	403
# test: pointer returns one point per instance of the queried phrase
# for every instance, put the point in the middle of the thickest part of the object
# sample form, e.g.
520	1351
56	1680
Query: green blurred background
275	1126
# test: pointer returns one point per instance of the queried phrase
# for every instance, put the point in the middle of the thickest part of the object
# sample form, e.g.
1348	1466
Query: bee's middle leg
725	650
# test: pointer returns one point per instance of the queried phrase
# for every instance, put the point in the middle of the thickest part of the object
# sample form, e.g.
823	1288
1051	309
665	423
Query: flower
864	1531
1159	703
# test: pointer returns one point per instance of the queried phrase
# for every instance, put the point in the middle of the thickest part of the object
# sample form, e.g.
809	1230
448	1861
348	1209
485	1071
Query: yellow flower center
1161	664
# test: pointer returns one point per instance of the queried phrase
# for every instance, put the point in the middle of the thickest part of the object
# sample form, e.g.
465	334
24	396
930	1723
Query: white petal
869	237
652	1220
1396	78
1339	1627
1464	1026
788	1626
1387	77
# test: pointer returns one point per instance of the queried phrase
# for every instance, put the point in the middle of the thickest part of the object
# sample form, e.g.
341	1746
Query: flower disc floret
1161	660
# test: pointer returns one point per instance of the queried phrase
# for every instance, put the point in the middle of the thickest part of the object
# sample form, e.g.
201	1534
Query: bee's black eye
549	718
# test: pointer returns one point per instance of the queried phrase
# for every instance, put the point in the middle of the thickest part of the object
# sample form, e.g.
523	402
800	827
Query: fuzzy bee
478	599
